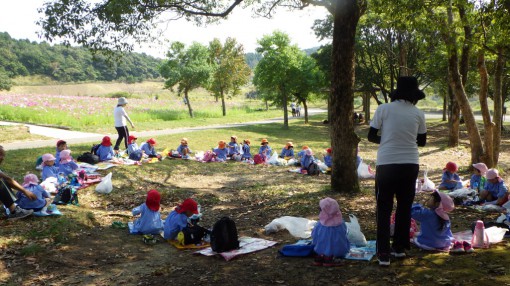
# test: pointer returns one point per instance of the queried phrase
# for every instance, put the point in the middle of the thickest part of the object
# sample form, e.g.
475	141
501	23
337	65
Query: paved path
76	137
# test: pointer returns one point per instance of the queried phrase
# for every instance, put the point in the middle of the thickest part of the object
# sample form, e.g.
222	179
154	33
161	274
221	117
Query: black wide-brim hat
407	89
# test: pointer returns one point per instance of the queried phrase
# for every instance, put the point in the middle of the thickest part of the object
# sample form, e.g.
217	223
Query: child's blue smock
181	149
57	157
246	151
174	223
330	240
25	203
221	154
105	153
233	148
287	152
132	148
328	161
49	171
498	190
431	235
149	221
265	150
447	176
477	182
306	160
146	147
67	168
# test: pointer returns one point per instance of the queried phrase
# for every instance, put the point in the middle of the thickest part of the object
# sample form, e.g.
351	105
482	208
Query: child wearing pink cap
478	179
31	183
149	221
494	191
67	165
177	219
48	167
435	223
329	235
450	180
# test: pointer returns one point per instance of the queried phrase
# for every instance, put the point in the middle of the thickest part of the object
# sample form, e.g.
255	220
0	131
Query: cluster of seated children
489	187
147	149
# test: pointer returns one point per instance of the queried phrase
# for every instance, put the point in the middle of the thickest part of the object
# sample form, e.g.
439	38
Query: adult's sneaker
384	259
398	253
19	213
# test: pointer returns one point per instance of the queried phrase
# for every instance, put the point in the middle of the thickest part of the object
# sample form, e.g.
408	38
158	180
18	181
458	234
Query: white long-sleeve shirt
120	116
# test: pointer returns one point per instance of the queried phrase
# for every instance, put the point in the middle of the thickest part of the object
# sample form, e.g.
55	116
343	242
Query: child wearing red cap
327	159
149	150
221	151
149	221
61	145
450	180
134	152
105	150
177	219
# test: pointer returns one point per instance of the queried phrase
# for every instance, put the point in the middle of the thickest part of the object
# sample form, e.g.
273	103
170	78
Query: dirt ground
81	248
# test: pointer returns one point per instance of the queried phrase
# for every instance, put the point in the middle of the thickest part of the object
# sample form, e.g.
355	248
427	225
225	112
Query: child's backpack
193	234
313	169
94	148
38	162
258	159
136	156
209	156
224	235
88	157
66	195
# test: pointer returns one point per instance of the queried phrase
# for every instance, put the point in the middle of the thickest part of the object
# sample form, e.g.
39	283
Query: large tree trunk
460	94
190	110
285	109
454	120
498	103
344	141
267	105
402	55
305	106
223	108
445	107
366	107
483	95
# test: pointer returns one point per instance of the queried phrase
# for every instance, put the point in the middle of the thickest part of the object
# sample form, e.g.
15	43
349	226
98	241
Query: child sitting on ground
61	146
494	191
287	151
105	150
221	151
246	149
31	183
306	160
183	149
135	153
435	223
478	179
48	167
330	234
67	165
265	151
450	180
177	219
233	147
327	159
149	149
149	221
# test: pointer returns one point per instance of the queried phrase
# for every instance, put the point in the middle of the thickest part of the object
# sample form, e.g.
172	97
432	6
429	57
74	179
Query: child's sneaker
318	260
329	261
467	247
384	259
19	213
458	247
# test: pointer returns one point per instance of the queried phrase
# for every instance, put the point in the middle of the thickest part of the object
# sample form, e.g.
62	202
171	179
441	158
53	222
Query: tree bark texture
344	141
190	110
285	109
498	103
223	108
454	119
482	96
305	106
445	107
366	107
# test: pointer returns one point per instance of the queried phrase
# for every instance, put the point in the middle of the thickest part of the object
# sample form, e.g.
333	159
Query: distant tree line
70	64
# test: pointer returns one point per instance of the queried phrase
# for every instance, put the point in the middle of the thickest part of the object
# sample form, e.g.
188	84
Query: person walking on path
120	117
6	182
402	129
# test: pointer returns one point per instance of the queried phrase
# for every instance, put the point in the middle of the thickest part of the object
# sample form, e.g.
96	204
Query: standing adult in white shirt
120	117
402	129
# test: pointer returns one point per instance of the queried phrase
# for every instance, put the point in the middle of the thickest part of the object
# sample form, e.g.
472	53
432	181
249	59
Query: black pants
5	196
394	180
123	134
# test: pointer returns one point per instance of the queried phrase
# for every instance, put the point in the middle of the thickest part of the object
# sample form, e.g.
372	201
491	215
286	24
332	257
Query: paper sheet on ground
246	245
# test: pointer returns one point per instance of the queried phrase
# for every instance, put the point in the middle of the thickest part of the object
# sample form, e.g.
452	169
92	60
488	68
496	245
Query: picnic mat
463	235
362	253
246	245
177	245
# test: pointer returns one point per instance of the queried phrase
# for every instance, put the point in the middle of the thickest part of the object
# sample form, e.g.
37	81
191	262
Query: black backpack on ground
224	235
94	148
66	195
313	169
88	157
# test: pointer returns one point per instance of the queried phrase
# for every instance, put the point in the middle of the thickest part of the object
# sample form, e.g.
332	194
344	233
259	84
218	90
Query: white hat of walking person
122	101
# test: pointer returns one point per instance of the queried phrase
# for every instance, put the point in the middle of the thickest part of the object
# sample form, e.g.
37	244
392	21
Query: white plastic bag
297	226
273	160
105	186
462	193
291	162
322	166
495	234
364	171
354	233
428	185
199	156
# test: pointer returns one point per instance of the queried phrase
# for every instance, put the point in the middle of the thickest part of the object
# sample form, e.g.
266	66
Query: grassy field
17	133
80	248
